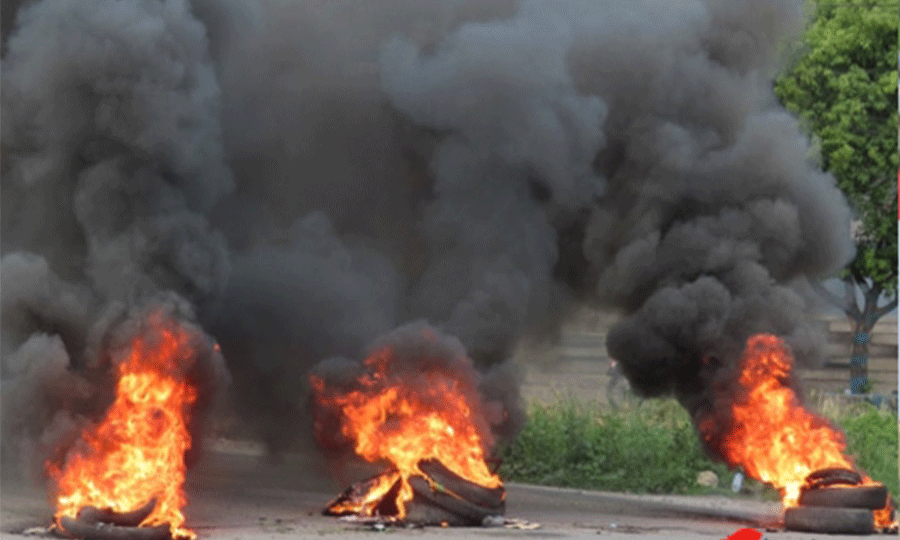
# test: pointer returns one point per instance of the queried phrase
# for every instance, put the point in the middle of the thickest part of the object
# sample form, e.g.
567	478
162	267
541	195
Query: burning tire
493	499
829	520
92	514
441	497
433	439
458	511
105	524
424	515
870	497
74	528
829	477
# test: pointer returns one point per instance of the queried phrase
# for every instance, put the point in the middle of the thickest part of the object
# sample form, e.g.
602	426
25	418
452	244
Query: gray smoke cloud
113	159
114	147
308	176
715	214
513	123
287	307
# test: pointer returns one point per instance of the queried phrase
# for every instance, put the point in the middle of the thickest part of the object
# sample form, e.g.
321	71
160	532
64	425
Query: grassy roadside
872	441
653	448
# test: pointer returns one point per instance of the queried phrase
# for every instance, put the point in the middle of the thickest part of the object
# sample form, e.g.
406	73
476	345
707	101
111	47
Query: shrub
654	448
650	449
872	441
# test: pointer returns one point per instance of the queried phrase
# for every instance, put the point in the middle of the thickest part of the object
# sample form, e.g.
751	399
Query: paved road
237	496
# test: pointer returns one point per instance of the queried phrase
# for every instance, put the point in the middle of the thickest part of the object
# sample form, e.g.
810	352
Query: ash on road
237	495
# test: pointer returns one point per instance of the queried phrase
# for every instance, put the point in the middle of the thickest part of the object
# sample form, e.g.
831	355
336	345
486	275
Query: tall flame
136	453
773	437
393	420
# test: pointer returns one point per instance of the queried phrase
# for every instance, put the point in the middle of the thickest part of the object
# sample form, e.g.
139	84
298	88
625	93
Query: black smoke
113	159
308	176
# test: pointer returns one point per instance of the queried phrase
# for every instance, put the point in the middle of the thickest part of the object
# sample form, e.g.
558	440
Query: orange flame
404	424
774	438
137	452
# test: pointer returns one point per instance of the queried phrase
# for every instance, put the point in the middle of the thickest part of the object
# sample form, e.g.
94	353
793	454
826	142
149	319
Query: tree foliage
844	87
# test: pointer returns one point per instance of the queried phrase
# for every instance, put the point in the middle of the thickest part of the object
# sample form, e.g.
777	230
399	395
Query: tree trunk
862	320
859	357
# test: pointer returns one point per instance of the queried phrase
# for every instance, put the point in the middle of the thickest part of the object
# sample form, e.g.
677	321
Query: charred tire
90	514
491	498
467	513
871	497
830	477
829	520
426	514
346	503
74	528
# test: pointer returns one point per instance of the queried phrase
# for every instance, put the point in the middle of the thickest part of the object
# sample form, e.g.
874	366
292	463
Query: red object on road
745	534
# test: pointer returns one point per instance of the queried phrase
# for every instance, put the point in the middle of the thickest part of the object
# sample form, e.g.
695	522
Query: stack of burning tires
837	501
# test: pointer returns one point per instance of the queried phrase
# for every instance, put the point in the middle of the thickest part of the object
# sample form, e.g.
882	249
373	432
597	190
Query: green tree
844	87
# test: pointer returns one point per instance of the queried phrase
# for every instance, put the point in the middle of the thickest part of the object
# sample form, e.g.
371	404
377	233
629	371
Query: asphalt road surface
236	495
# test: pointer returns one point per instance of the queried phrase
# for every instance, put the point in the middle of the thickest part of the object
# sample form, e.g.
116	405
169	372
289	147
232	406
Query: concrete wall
834	373
577	368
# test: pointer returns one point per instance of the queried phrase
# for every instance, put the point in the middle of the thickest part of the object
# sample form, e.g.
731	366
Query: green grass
872	441
653	448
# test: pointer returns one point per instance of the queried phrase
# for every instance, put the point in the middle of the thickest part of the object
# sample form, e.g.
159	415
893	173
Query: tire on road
832	476
871	497
91	514
462	512
73	528
493	499
829	520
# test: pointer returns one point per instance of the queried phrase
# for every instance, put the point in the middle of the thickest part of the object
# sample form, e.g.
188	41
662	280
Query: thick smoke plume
113	159
307	176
